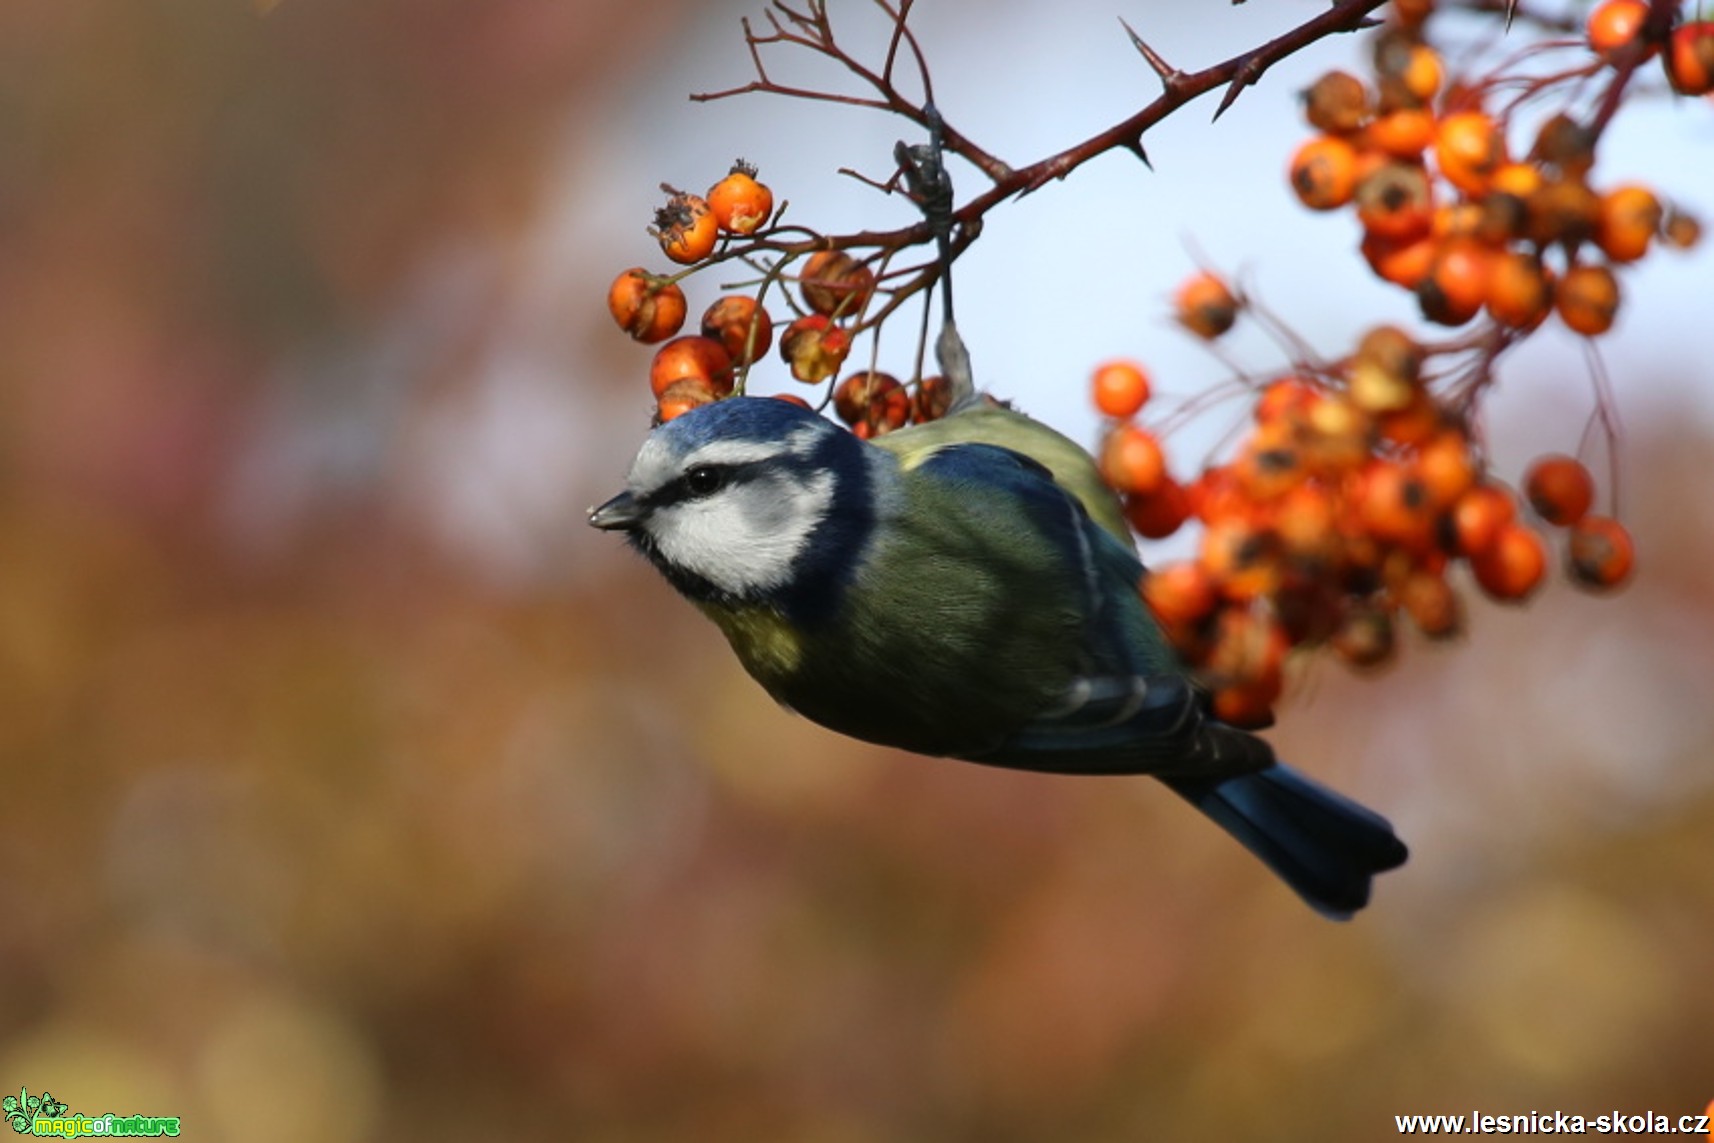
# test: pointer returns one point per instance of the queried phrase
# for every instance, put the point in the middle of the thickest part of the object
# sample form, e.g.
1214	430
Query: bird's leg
930	187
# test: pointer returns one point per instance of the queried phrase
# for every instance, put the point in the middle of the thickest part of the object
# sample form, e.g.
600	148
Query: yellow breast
767	646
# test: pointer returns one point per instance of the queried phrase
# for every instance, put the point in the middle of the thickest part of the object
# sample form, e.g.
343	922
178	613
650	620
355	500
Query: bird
965	587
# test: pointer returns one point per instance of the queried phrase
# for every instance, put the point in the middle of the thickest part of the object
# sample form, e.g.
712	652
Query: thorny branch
809	27
953	228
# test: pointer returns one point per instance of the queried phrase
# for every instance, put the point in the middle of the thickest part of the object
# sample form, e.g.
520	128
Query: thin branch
1605	414
814	32
1181	87
903	34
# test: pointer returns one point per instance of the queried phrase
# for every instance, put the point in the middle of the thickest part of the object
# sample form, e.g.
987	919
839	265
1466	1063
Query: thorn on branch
1249	72
1169	75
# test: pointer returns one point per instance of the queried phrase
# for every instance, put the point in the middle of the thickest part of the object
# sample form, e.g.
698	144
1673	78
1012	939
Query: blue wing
1130	707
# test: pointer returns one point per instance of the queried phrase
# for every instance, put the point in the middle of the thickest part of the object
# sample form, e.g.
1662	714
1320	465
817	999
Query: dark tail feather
1322	844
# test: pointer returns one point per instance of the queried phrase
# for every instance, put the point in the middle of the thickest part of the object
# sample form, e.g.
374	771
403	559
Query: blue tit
966	588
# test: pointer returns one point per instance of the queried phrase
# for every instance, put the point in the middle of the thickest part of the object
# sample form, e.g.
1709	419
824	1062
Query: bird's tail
1322	844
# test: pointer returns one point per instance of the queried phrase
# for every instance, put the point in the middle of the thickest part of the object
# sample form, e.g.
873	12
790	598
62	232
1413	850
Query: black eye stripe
702	480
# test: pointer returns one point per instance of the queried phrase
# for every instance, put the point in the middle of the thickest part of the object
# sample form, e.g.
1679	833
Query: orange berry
933	398
730	321
873	401
1630	216
1396	202
1249	648
1444	464
1511	568
681	397
1690	58
685	227
793	399
1600	554
1520	180
1565	144
1121	388
1306	524
1564	211
1336	103
814	348
1392	350
1458	282
1250	706
1403	263
1410	14
1324	172
1477	519
1132	460
1501	218
646	307
1431	603
1179	593
1588	299
1615	30
1241	557
1271	462
1414	425
1403	134
1309	602
695	358
835	283
1215	495
1681	231
892	410
1365	636
1422	72
1459	219
740	204
1468	148
1160	513
1559	488
1394	504
1384	371
1519	294
1205	306
1287	398
1339	436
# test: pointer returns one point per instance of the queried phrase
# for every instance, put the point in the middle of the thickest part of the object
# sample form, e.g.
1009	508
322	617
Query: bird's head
748	501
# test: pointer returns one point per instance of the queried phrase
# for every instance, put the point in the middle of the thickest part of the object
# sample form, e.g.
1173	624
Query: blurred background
356	790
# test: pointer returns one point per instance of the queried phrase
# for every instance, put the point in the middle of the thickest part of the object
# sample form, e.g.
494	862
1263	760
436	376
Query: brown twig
810	28
813	30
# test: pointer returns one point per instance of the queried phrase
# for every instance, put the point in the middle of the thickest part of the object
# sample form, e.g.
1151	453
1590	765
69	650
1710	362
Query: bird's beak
620	514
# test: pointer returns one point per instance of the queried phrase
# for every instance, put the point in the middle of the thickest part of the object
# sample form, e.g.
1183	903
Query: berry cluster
1446	209
1344	510
835	290
1361	483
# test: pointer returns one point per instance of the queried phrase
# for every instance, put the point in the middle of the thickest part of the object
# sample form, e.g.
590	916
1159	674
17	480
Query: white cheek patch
748	537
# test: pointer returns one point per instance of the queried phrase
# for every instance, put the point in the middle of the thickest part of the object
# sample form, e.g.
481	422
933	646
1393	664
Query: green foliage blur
337	808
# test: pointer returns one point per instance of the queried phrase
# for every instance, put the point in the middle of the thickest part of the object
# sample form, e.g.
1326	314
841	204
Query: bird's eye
704	480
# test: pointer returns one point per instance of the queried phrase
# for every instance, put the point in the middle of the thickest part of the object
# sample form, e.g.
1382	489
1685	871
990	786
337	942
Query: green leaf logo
22	1109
